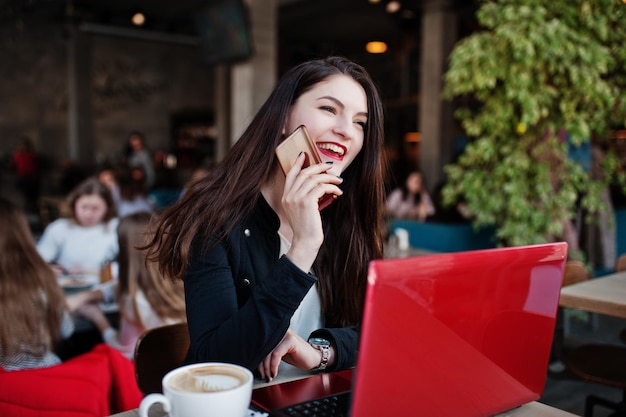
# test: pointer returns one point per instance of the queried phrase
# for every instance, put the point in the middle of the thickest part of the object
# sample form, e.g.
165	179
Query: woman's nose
344	127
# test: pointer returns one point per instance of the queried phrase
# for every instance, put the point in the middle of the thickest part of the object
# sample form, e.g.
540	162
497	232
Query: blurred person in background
138	155
86	241
34	312
411	200
132	190
25	164
146	299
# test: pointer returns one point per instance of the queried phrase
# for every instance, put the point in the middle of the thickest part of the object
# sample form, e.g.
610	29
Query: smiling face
335	114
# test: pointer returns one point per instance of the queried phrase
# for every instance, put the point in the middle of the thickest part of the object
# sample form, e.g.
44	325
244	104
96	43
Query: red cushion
95	384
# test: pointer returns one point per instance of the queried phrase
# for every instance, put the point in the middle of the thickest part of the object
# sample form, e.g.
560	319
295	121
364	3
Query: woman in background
137	155
133	191
411	201
26	164
146	299
87	241
32	305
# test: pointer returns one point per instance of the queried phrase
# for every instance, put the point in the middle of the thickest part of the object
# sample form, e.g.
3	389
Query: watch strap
324	348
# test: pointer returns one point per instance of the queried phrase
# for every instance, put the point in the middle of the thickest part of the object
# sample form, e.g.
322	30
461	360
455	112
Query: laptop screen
465	333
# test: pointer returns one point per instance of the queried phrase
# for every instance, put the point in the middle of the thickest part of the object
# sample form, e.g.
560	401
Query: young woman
265	271
146	299
133	191
87	241
32	305
411	201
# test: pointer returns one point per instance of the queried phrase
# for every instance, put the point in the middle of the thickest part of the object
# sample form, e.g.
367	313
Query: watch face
319	341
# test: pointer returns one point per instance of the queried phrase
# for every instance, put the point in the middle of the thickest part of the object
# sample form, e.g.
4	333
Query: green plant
537	67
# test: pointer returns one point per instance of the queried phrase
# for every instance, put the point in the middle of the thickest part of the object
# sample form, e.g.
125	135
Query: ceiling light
378	1
393	6
138	19
412	137
376	47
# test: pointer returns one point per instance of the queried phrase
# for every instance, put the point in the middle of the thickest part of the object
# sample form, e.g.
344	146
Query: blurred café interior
79	75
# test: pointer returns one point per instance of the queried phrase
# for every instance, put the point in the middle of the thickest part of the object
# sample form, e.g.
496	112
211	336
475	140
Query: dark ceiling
338	23
306	28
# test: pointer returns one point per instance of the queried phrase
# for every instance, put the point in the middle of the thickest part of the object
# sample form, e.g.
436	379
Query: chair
600	364
620	263
574	272
157	352
597	363
51	208
93	384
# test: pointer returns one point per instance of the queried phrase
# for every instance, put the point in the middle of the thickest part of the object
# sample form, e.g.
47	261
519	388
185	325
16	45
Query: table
604	295
532	409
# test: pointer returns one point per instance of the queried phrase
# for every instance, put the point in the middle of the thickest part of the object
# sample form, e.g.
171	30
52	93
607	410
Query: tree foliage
537	68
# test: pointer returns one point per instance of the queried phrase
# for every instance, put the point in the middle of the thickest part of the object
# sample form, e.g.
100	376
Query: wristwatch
323	346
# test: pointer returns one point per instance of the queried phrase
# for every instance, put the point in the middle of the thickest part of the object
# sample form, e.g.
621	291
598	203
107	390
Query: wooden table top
604	295
532	409
536	409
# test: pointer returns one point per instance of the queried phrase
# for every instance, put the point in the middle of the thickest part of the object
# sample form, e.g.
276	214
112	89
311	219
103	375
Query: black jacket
240	296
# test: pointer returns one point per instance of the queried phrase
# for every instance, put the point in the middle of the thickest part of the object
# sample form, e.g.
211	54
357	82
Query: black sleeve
219	329
346	343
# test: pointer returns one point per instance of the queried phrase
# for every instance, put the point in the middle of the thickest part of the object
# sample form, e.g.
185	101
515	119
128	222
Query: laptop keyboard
334	405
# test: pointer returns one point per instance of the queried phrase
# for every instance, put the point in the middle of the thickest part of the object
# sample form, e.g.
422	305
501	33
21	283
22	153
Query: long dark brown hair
352	224
31	301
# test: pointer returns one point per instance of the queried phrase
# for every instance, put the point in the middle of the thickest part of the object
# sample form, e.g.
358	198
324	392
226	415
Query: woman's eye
362	124
328	109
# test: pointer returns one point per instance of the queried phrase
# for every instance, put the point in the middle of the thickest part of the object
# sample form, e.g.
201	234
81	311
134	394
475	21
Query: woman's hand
75	301
300	203
292	349
59	270
93	313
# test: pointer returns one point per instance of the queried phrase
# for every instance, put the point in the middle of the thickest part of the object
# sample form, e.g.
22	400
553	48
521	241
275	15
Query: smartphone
288	150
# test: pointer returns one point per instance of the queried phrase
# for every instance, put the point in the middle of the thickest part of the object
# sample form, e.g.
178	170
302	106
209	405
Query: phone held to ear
289	149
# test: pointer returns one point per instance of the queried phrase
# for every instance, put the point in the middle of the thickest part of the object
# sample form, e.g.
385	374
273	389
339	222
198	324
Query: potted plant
539	75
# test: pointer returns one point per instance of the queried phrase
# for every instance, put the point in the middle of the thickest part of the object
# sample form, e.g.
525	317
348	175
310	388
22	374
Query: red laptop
450	335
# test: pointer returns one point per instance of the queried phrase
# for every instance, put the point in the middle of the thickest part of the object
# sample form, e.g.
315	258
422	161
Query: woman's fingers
292	349
313	181
269	367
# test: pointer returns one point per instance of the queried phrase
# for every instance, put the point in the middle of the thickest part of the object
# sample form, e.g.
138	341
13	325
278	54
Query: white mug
211	389
403	238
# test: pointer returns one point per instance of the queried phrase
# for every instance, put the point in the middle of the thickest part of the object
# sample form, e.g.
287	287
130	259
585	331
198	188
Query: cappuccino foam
207	379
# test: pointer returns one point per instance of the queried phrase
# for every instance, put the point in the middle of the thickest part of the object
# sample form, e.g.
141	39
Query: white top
306	319
405	208
73	246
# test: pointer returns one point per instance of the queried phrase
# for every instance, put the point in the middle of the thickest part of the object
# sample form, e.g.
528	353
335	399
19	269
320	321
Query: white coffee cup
210	389
403	238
